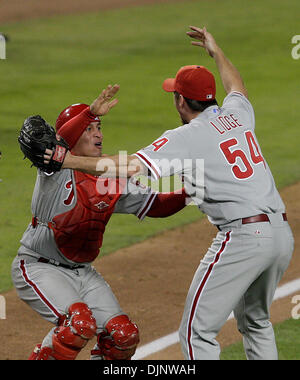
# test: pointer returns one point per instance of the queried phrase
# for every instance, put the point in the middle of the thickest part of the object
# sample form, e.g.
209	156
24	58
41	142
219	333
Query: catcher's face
90	142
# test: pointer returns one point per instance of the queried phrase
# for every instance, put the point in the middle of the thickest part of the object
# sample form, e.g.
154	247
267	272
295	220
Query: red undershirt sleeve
73	129
166	204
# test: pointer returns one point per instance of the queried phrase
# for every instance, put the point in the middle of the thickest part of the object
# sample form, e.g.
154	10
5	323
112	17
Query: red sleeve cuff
166	204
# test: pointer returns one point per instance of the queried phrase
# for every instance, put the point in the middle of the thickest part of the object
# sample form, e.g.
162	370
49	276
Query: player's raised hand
206	39
102	105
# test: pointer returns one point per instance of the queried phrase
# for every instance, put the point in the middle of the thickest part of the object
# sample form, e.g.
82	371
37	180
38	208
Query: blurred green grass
287	339
54	62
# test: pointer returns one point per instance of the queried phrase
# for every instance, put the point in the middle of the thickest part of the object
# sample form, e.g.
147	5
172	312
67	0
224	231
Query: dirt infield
151	278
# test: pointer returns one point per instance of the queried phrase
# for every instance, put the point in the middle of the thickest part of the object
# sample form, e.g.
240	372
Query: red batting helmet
70	112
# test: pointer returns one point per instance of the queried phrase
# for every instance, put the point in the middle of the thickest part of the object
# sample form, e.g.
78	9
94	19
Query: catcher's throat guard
36	135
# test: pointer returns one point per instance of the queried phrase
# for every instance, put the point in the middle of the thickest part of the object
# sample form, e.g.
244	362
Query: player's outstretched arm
108	166
231	78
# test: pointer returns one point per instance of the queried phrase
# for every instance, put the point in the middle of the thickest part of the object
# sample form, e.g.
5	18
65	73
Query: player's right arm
109	166
231	78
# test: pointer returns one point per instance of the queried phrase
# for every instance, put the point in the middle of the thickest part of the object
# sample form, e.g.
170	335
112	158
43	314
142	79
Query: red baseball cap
193	82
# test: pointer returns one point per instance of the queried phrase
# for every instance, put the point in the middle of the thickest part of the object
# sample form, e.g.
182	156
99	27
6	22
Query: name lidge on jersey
225	123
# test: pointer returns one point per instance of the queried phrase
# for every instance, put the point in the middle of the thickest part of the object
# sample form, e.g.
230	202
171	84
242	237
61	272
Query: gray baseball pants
240	273
50	289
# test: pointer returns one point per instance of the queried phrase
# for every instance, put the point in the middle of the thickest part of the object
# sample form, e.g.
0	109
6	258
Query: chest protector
79	232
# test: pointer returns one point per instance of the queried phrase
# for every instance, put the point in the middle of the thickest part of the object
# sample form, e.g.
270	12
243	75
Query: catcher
52	271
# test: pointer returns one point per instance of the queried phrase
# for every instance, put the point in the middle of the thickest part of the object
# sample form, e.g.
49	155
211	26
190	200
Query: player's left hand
37	136
207	41
102	105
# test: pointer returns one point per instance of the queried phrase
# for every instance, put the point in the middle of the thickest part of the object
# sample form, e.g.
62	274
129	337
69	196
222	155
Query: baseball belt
257	219
260	218
58	264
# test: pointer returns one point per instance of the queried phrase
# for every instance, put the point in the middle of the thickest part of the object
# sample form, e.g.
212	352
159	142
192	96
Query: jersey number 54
243	168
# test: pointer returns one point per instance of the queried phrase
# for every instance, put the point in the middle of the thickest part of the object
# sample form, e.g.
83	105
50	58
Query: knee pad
77	328
119	340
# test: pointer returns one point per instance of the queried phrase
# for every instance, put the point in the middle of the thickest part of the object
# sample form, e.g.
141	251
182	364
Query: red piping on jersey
198	293
145	209
149	164
37	290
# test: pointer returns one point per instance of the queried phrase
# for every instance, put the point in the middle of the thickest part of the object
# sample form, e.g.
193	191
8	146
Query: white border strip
173	338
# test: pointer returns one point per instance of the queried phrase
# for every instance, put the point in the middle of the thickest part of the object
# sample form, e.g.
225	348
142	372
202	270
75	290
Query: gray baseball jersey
67	213
224	171
232	182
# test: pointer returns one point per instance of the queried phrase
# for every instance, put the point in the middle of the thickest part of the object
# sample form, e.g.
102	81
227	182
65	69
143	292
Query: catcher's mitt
35	137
